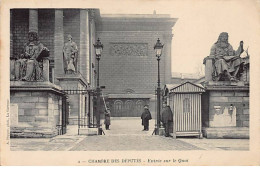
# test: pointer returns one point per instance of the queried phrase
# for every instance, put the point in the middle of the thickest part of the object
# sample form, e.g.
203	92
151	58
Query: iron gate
86	112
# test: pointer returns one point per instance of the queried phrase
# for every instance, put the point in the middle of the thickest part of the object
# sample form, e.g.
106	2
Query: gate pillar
77	104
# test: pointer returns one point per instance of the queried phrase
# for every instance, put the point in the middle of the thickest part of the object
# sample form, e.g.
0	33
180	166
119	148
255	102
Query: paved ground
125	135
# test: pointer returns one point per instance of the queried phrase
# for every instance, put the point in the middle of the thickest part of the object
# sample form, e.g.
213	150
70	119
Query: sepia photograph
130	83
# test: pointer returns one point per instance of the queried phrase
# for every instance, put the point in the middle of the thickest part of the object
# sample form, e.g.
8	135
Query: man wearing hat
166	118
146	116
107	118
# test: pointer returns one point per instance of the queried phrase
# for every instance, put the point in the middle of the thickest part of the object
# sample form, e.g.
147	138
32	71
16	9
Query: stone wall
35	113
128	60
238	99
130	70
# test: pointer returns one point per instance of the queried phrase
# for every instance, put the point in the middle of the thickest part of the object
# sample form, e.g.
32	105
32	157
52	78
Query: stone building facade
128	66
53	26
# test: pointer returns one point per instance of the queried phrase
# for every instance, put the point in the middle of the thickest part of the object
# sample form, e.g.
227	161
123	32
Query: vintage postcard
130	83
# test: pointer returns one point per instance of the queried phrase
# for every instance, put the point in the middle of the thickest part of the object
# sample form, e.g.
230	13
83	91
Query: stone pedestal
75	86
36	109
208	61
228	109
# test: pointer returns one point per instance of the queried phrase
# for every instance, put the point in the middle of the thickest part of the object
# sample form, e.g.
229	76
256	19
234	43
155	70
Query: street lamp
158	51
98	48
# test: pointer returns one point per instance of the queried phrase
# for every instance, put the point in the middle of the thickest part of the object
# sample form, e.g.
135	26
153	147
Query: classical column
58	44
88	65
92	40
84	44
12	59
33	20
167	55
11	33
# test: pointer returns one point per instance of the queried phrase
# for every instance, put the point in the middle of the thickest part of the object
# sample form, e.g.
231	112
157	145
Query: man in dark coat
166	118
146	116
107	118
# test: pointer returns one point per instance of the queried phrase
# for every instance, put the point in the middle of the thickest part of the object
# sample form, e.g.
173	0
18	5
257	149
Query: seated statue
227	63
70	54
28	67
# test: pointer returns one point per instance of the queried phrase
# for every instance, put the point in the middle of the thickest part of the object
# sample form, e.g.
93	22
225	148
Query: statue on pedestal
29	65
227	63
70	56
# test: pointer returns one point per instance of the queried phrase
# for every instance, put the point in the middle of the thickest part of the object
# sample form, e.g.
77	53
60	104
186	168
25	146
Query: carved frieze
128	49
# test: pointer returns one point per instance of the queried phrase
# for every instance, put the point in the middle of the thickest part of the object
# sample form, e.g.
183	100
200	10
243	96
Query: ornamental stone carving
129	49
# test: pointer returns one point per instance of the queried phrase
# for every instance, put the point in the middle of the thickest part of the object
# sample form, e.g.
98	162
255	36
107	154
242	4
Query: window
186	105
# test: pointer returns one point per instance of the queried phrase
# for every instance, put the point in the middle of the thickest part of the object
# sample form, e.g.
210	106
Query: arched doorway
129	107
118	106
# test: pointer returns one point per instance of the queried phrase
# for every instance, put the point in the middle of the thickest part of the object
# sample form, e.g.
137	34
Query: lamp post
98	48
158	50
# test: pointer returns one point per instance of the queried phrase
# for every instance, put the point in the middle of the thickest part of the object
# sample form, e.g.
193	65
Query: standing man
166	118
107	118
146	116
